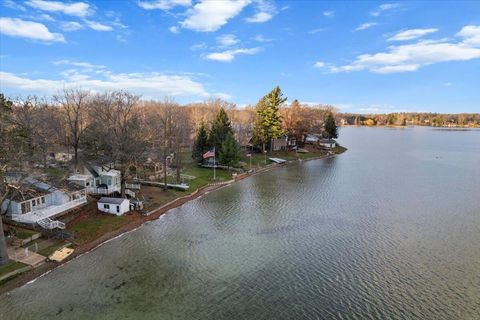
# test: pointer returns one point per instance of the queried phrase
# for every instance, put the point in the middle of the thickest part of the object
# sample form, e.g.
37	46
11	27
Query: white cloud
211	15
163	4
471	34
223	96
411	57
329	13
259	17
365	26
78	9
98	26
265	11
71	26
447	84
384	7
314	31
152	84
229	55
198	46
261	38
13	5
411	34
15	27
319	64
174	29
80	64
227	40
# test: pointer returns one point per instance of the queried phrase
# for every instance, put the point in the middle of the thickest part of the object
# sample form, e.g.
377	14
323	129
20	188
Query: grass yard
11	266
24	233
88	228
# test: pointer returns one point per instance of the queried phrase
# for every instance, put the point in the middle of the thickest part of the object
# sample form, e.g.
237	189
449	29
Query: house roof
112	200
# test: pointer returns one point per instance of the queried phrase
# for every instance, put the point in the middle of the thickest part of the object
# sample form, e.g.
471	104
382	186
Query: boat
61	254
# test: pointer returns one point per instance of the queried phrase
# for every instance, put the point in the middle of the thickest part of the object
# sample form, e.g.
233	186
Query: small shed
117	206
327	143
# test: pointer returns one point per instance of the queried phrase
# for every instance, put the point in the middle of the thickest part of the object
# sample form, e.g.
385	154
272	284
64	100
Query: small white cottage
98	179
117	206
327	143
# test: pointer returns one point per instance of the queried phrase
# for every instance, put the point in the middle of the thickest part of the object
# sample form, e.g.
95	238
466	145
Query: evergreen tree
221	128
200	146
331	127
268	124
230	153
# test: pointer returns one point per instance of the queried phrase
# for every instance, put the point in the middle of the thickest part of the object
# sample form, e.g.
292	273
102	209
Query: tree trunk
165	169
122	186
3	246
177	163
75	157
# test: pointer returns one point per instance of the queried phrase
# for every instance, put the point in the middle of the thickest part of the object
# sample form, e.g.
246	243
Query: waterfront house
327	143
117	206
98	179
38	202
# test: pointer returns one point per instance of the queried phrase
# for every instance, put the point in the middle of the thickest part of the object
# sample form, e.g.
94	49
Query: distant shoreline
33	274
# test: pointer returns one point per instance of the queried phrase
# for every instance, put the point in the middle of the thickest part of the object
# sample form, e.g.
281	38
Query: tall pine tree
230	154
331	127
200	146
221	128
268	124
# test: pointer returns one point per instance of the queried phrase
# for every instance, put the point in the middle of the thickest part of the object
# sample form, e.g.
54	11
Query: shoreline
30	276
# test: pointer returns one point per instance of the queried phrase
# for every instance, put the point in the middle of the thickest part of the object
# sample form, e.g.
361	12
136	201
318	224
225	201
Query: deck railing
105	191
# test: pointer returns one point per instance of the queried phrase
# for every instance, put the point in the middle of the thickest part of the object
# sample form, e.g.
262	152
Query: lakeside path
32	275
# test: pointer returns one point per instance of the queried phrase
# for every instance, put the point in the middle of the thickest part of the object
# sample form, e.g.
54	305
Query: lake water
388	230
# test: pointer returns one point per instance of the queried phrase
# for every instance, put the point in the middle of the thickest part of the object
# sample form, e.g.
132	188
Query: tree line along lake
388	230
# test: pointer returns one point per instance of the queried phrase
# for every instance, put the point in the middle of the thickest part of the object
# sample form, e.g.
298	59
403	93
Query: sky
360	56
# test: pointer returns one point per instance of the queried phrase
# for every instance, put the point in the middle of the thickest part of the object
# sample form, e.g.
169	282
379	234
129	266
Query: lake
388	230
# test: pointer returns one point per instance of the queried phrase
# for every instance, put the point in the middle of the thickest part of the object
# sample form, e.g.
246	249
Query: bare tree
115	133
74	104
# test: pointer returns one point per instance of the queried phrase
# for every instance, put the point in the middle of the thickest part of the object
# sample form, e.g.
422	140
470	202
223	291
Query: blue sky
361	56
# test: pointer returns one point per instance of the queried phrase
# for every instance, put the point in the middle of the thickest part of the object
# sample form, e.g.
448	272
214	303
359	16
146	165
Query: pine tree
331	127
200	146
230	153
268	124
221	128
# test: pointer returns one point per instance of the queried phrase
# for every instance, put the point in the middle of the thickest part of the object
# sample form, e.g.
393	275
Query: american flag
209	154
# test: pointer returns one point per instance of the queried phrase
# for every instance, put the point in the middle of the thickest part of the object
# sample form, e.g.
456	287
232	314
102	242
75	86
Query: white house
327	143
38	202
98	179
117	206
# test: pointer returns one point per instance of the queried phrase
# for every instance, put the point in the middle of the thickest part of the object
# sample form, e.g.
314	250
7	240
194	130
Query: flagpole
214	165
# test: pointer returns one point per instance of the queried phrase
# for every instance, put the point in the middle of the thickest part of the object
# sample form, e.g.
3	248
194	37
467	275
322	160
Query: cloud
265	12
229	55
259	17
384	7
329	13
98	26
78	9
71	26
198	46
411	57
13	5
211	15
163	4
365	26
174	29
80	64
223	96
227	40
152	84
261	38
15	27
471	35
319	64
314	31
411	34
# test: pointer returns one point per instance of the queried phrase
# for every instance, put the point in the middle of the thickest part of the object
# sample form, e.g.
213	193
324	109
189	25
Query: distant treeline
464	120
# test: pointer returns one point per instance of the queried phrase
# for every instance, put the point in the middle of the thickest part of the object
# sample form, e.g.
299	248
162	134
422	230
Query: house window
88	184
118	209
34	203
106	206
43	199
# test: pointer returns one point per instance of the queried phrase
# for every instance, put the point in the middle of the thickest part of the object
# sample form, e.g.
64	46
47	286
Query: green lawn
11	266
87	230
24	233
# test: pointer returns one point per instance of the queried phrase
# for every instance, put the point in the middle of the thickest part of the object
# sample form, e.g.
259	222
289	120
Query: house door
26	207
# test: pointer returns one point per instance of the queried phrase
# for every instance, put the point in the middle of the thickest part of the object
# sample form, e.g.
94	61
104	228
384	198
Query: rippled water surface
388	230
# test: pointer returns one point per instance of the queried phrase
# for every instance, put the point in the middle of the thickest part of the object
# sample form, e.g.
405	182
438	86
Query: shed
327	143
117	206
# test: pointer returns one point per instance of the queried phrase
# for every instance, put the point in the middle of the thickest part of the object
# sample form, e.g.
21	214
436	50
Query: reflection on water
388	230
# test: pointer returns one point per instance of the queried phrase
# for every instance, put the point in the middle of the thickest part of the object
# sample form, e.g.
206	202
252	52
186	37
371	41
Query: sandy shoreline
31	275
